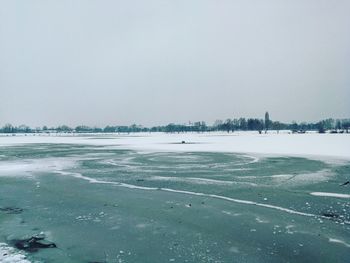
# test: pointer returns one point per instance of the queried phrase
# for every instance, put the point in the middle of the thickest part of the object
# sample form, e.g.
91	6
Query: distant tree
217	125
196	126
122	129
346	125
294	127
64	128
303	126
260	125
155	129
23	129
135	128
251	124
243	125
255	125
8	128
83	128
338	125
228	125
199	126
321	127
97	130
236	124
203	126
276	125
328	124
171	127
109	129
267	121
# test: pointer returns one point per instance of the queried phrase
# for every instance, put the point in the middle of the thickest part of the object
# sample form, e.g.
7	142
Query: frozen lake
149	198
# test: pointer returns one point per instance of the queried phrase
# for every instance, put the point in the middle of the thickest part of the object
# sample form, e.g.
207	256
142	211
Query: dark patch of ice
33	244
11	210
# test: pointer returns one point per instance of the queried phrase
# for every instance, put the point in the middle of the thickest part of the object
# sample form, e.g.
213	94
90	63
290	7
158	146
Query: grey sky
154	62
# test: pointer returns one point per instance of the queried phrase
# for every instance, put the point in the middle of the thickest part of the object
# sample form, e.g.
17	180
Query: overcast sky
159	61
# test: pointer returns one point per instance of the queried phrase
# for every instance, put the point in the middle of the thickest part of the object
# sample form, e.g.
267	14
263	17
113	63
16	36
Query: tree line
228	125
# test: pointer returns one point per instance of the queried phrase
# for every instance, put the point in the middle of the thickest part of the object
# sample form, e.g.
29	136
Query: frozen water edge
11	255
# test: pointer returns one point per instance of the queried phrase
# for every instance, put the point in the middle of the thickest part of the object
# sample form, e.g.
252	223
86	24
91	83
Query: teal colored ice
106	204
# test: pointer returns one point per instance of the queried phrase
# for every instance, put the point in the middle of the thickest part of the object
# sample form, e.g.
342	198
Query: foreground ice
167	201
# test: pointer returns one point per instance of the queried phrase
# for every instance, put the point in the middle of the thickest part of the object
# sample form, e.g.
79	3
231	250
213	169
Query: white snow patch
330	194
261	221
313	145
303	178
265	176
141	225
27	167
288	229
11	255
291	179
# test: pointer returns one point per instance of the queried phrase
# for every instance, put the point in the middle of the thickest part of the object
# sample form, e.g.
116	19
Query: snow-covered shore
335	146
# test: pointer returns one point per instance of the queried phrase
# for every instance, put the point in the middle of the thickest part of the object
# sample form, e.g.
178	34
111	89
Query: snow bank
26	167
11	255
335	146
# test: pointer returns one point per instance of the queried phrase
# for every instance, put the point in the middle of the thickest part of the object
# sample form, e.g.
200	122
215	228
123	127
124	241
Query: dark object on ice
33	244
334	216
140	180
11	210
330	215
346	183
185	142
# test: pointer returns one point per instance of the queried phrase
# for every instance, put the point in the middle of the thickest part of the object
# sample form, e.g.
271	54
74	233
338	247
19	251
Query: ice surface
309	144
220	197
168	201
